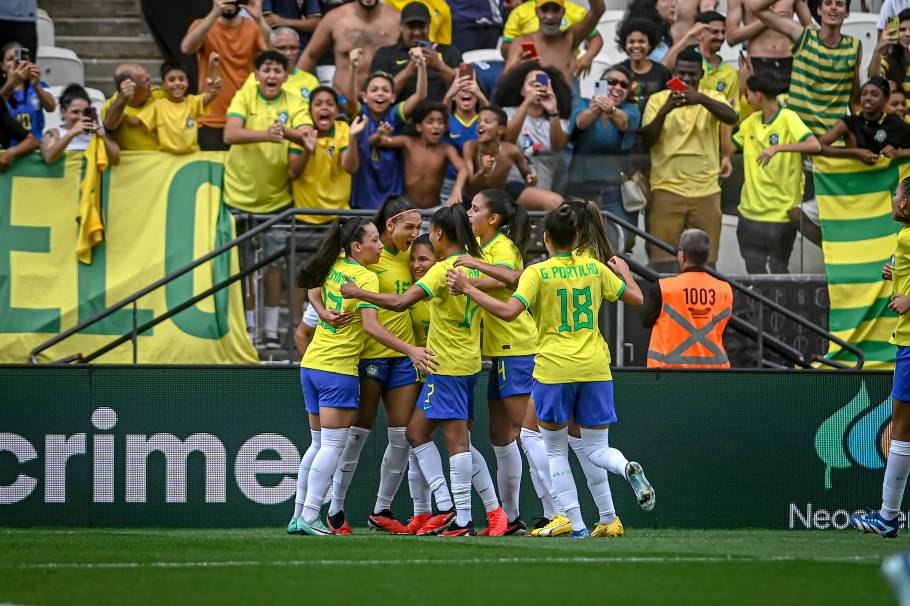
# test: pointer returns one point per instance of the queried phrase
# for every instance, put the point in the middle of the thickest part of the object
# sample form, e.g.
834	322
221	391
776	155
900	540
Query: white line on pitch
426	562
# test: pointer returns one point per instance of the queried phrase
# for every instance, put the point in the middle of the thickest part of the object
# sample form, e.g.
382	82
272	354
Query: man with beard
364	24
553	46
236	41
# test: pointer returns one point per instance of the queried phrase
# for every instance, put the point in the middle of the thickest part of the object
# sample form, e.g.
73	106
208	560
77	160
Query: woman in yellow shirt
446	398
328	371
565	294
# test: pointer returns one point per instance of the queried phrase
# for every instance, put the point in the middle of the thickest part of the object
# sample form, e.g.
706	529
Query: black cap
415	11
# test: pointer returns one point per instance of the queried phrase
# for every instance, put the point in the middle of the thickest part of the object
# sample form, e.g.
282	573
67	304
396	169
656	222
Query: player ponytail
514	220
341	235
454	223
592	232
902	210
390	208
559	224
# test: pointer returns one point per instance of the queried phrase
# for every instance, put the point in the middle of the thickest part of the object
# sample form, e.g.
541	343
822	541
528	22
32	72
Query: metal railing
756	333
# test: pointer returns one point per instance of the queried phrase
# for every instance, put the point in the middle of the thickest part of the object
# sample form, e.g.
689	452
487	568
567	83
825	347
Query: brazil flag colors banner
858	237
160	212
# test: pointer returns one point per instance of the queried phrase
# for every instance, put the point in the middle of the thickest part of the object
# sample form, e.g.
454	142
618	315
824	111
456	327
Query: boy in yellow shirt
173	118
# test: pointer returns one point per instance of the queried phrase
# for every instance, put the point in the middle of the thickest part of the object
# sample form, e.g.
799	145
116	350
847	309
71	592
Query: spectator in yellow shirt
440	18
134	93
173	118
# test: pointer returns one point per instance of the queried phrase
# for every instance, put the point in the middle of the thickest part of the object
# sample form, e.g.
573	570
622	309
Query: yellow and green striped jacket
822	80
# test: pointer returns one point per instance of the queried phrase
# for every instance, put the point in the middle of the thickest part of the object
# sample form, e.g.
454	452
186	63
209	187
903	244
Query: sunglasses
617	82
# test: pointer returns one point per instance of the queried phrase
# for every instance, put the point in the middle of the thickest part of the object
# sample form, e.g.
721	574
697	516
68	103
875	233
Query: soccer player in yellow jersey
328	371
447	396
502	228
886	521
565	294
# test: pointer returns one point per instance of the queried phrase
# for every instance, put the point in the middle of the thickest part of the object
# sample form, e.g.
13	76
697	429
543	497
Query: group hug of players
400	321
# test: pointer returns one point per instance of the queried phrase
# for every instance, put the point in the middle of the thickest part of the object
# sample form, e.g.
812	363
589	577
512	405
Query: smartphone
425	45
600	88
22	55
542	79
92	114
892	27
676	85
528	47
465	69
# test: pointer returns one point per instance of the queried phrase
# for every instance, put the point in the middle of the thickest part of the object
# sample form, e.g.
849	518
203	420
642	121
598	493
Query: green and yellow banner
858	237
160	212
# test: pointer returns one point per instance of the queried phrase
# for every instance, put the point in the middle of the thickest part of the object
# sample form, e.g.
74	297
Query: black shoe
516	526
541	522
454	530
272	342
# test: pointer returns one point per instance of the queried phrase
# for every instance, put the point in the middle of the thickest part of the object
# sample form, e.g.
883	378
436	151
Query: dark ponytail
391	206
592	233
454	223
339	238
561	228
515	222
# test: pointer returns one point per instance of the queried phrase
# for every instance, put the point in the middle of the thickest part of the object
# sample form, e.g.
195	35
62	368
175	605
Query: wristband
553	115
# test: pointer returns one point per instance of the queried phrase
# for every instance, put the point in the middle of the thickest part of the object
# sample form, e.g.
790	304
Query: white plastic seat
482	54
863	26
45	26
60	66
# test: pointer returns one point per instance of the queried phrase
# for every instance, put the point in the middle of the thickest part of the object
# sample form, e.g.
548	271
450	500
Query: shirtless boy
556	47
426	157
365	24
769	50
489	159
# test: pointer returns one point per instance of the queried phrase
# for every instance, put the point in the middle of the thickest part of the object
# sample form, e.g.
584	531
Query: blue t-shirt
459	134
290	9
591	145
381	170
485	12
25	106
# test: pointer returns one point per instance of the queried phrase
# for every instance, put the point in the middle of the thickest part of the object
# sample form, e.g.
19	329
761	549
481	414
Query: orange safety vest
690	329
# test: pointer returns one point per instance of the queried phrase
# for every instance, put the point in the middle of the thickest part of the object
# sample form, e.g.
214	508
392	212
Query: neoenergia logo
858	433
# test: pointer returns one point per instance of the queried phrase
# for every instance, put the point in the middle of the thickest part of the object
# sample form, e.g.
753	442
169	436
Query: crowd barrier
219	446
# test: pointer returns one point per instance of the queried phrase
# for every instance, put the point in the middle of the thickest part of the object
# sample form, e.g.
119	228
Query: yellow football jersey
394	273
324	183
175	123
501	338
564	293
420	322
454	322
338	349
901	278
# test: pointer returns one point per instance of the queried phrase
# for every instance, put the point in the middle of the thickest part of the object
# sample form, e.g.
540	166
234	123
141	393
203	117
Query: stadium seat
60	66
598	68
607	27
53	119
483	54
45	27
863	26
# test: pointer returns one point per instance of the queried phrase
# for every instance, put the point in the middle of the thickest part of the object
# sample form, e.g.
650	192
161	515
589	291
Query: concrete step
59	9
92	26
111	47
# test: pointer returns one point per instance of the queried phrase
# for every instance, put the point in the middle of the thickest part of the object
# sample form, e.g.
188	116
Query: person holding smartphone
442	59
24	91
892	54
80	122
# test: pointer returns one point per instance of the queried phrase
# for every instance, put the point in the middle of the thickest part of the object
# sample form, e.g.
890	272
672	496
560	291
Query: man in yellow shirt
440	18
119	114
682	129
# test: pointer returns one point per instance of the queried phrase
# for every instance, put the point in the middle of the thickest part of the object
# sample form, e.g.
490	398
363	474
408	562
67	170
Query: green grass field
152	566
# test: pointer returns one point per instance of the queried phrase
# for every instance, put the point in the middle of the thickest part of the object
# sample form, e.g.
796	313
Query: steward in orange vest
689	312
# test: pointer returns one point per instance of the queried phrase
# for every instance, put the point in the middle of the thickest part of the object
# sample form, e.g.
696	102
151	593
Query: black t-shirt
394	58
10	129
645	85
874	135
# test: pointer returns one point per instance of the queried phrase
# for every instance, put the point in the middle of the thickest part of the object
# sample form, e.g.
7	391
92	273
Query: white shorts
310	317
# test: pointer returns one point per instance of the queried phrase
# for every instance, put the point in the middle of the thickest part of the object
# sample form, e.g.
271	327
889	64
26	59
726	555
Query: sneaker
338	524
497	523
613	529
581	534
560	525
272	342
874	523
314	529
897	570
516	526
416	523
292	526
438	523
454	530
643	490
386	522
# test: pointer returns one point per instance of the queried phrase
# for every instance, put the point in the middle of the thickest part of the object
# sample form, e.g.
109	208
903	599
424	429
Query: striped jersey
822	80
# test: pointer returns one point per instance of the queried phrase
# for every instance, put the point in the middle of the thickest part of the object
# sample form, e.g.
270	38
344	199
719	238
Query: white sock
564	491
460	477
508	477
271	321
896	471
394	462
598	477
357	438
304	471
482	481
251	320
322	470
431	466
420	490
532	443
603	456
